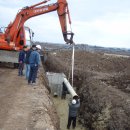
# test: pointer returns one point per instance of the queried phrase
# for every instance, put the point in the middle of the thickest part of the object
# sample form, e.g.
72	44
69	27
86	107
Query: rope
73	50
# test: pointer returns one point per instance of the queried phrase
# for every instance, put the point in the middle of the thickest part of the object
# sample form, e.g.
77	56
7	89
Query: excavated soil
103	84
25	107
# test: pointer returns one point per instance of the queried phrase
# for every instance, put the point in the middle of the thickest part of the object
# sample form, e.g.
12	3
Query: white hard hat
38	47
73	101
55	94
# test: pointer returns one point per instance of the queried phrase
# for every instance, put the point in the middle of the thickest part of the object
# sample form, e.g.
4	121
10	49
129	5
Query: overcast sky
94	22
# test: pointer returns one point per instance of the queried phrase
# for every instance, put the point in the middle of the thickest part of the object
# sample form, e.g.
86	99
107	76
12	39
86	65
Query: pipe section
70	89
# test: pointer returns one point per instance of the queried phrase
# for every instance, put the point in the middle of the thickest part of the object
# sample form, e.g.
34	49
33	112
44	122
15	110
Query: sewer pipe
70	89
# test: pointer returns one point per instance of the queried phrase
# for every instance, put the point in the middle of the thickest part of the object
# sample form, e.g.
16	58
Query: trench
62	110
103	105
60	103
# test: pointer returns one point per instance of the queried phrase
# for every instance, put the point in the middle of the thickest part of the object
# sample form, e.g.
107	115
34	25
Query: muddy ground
23	106
103	84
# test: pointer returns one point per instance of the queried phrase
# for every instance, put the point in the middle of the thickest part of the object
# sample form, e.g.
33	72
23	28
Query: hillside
85	47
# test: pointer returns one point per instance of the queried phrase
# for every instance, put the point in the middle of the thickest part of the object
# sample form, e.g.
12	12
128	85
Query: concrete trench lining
56	84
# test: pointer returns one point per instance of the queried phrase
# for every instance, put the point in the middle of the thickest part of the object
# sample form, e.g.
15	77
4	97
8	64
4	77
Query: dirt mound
103	84
94	61
105	107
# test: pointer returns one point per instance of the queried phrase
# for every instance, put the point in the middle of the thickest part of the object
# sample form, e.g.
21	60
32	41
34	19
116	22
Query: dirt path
23	107
62	109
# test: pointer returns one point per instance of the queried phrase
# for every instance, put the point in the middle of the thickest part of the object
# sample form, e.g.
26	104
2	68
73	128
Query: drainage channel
56	83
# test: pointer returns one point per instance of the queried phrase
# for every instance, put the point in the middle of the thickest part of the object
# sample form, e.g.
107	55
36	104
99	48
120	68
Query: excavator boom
14	30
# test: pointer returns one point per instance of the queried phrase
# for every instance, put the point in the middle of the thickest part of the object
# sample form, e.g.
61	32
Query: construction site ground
25	107
102	83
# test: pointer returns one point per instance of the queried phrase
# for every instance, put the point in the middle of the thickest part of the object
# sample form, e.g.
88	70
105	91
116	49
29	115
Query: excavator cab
11	57
29	34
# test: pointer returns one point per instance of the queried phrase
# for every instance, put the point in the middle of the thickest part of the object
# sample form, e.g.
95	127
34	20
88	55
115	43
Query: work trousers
27	71
20	69
63	94
33	74
73	121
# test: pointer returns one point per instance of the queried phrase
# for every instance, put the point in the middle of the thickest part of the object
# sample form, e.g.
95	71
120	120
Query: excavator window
1	31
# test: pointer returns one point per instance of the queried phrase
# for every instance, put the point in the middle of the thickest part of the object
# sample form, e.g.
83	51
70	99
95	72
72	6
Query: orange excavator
13	38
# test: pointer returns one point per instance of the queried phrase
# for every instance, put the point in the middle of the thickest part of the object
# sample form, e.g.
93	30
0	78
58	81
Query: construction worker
73	109
64	91
21	60
28	52
34	61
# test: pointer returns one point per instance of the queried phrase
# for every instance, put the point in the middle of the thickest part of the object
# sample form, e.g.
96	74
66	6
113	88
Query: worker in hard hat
34	61
73	109
64	91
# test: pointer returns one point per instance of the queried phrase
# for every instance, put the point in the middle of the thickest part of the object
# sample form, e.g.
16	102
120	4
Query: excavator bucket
9	57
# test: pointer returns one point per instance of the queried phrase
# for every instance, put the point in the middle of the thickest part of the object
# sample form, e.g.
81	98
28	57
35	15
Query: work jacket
21	57
73	109
28	53
34	59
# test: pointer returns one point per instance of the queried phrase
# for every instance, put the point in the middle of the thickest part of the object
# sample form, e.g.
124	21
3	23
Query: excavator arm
61	6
